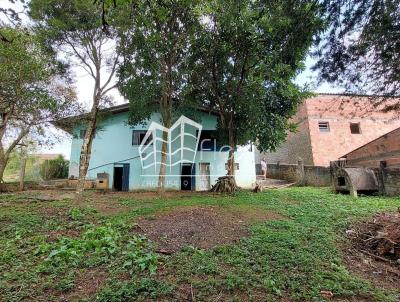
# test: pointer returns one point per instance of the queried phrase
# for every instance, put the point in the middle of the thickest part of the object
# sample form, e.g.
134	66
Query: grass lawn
65	250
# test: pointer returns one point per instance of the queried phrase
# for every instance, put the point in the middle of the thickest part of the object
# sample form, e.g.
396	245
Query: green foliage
360	49
293	257
76	214
100	242
154	45
131	291
13	168
138	257
54	168
243	60
33	91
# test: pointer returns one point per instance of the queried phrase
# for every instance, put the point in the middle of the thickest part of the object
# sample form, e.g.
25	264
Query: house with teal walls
131	155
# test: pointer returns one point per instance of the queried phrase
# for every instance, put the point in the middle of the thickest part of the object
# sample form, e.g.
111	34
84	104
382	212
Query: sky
84	84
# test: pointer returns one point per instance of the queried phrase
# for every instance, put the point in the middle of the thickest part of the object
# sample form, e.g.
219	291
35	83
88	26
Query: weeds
293	258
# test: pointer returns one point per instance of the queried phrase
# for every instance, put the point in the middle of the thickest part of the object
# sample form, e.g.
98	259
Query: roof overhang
67	124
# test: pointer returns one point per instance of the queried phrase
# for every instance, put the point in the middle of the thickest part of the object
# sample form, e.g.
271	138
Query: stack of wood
381	236
225	184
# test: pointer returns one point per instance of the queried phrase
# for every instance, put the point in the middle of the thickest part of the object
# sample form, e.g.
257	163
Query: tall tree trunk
22	173
164	150
231	157
3	164
86	148
166	114
227	184
163	168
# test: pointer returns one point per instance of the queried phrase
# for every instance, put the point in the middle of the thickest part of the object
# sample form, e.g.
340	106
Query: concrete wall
297	144
391	180
317	176
313	176
112	145
319	148
385	148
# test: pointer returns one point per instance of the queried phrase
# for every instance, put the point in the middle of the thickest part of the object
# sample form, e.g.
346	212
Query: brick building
330	126
384	148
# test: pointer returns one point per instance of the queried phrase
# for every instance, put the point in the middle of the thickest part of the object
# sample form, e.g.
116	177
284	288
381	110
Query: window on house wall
355	128
323	126
138	136
208	141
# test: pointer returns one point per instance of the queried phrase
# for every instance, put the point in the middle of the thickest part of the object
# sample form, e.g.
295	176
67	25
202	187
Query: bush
54	168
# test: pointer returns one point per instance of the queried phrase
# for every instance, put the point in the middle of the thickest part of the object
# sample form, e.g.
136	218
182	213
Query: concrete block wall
314	176
391	180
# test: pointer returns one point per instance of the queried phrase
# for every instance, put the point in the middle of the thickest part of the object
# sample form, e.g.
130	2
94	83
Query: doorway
121	177
188	173
204	173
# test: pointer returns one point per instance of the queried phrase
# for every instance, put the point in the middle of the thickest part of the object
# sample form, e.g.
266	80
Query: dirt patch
202	227
107	206
150	195
55	235
53	212
87	283
374	250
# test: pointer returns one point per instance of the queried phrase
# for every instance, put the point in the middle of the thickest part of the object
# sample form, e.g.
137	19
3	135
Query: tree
361	49
244	58
32	91
154	45
12	17
56	168
74	29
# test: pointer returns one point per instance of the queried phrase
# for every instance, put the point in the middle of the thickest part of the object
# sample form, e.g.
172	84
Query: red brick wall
386	147
339	112
319	148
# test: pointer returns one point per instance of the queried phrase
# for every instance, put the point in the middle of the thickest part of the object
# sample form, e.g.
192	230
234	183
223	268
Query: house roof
363	146
68	123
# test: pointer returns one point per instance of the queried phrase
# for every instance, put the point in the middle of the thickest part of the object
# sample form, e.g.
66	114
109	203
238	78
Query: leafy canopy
33	89
154	46
361	49
244	58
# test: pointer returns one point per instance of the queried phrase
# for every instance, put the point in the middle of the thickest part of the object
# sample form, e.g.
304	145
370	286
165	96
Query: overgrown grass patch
294	258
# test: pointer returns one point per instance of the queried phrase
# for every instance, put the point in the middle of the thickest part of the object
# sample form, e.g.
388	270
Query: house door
188	173
121	177
204	173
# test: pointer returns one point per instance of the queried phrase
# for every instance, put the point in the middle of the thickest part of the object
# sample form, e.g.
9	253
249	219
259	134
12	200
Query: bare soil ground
202	227
374	249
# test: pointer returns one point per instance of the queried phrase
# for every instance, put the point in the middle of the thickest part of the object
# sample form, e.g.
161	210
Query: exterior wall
296	146
340	111
386	147
319	148
313	175
391	180
112	145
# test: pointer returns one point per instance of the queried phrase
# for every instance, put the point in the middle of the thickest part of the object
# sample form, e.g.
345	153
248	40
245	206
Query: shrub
54	168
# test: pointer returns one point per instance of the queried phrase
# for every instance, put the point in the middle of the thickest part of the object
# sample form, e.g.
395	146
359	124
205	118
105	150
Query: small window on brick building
355	128
323	126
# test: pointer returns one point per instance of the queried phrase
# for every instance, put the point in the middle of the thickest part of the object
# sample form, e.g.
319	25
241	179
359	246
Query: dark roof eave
68	123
